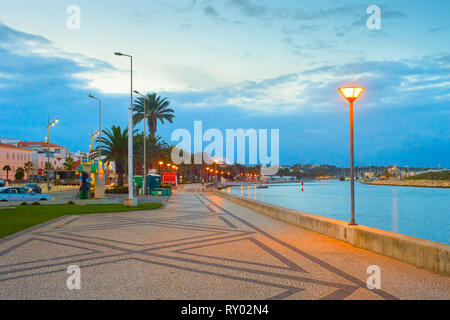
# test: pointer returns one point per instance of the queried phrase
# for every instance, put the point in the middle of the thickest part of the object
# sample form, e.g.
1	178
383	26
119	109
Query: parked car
21	194
34	186
2	183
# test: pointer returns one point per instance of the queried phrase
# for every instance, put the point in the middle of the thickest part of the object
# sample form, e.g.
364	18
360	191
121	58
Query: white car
21	194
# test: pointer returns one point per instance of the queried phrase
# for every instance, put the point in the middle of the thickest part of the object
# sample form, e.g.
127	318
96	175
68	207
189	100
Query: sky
236	64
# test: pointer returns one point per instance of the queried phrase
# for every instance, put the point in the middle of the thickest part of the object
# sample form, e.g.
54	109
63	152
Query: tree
28	166
115	148
157	108
156	149
48	166
69	164
20	173
7	168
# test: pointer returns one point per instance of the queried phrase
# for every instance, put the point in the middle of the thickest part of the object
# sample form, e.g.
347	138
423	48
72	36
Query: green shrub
70	202
23	204
440	175
36	203
117	190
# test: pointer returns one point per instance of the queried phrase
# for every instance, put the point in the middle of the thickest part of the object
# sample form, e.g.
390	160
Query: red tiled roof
5	145
24	144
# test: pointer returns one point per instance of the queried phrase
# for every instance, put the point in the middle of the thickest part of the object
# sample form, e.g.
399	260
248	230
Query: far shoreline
444	184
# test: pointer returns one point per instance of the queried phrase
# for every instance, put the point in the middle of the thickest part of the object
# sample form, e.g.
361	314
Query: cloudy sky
237	64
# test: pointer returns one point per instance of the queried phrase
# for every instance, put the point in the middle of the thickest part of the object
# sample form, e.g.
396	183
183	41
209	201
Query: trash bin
138	180
167	192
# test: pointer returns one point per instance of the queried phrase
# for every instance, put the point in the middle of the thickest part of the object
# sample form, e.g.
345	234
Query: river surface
418	212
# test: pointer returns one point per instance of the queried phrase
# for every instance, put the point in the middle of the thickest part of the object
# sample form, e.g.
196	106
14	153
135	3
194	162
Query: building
56	154
14	157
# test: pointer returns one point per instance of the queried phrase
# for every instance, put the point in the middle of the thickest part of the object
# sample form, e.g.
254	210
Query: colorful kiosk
92	179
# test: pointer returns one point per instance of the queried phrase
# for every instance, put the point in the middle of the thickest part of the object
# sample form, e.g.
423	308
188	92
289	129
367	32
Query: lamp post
49	124
131	201
92	144
160	167
351	94
99	128
145	138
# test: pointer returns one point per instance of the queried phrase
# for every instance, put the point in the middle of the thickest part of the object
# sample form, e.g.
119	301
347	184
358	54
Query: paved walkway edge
425	254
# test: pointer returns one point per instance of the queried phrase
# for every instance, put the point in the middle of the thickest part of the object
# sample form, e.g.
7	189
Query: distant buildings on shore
16	153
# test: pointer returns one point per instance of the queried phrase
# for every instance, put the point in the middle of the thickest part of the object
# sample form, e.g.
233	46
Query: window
7	156
13	154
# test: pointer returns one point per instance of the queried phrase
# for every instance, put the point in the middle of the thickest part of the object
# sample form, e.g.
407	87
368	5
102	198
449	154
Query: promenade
198	246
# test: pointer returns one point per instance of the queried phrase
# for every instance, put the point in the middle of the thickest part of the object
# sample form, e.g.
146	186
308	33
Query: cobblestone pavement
198	246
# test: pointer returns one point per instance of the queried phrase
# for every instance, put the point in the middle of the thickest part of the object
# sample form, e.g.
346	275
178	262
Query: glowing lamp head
351	93
161	163
168	164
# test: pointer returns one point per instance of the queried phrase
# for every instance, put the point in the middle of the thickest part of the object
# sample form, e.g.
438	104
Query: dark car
34	186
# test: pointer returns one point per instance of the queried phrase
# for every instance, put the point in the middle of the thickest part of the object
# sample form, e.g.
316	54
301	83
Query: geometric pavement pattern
193	248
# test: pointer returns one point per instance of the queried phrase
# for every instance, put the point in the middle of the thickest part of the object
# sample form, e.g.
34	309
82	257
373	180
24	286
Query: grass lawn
23	217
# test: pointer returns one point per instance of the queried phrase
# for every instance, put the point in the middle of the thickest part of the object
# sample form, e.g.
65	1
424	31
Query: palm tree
115	148
7	168
69	164
20	173
28	166
48	166
157	108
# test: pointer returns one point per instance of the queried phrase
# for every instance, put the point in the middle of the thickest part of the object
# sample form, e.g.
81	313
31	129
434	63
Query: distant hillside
442	175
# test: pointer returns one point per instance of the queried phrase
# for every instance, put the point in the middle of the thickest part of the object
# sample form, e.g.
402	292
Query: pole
145	151
352	169
130	139
100	132
48	154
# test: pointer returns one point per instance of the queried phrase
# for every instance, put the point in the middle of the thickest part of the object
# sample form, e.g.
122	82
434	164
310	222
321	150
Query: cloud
209	11
252	9
38	80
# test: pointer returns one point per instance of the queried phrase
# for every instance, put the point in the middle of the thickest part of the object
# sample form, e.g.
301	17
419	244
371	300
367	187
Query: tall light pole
49	124
131	201
351	94
92	144
99	128
215	169
145	140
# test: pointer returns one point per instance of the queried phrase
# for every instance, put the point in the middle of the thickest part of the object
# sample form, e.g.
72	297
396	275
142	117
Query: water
418	212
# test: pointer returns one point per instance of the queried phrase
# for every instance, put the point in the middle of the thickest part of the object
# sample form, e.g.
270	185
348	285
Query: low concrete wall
429	255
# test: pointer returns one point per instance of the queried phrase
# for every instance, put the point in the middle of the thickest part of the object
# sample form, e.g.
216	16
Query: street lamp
49	124
351	94
99	129
131	201
215	168
145	138
160	167
92	144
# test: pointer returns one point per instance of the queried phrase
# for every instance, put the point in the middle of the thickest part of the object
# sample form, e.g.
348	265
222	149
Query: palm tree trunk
152	126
